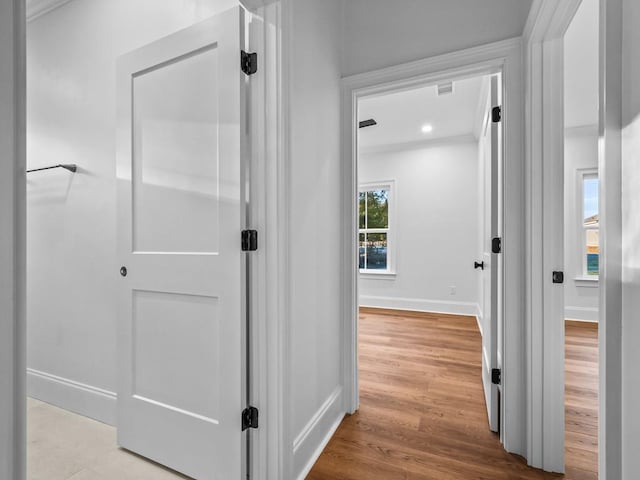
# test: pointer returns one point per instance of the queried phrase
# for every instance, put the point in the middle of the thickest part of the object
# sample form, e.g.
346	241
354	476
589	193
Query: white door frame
504	56
610	175
544	51
272	452
13	240
544	33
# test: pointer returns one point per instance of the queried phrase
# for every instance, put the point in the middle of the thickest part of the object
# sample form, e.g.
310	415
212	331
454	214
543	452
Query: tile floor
65	446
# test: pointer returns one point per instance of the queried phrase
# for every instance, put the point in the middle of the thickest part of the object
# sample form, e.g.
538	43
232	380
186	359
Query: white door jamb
610	419
272	451
544	34
13	240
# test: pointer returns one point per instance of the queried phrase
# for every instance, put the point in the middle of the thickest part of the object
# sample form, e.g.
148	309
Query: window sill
586	281
377	275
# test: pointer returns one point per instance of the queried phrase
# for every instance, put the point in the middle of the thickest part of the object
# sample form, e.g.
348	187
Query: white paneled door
181	285
491	299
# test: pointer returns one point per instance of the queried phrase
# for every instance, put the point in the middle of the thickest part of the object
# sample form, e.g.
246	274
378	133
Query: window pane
377	209
362	251
593	251
590	200
361	209
376	255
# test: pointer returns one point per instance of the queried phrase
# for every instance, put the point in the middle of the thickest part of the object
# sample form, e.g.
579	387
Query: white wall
435	227
581	152
72	267
314	222
381	33
581	81
631	239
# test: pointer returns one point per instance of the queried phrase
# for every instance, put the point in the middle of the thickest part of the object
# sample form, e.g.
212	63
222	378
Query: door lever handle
479	265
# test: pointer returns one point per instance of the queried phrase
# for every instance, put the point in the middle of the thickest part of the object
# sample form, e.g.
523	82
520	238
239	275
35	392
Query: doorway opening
504	59
428	231
581	240
138	283
428	208
429	205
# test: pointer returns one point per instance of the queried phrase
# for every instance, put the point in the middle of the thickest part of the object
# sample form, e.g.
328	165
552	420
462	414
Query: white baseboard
420	305
313	438
584	314
92	402
479	318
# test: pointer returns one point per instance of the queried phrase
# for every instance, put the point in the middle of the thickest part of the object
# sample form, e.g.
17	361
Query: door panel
175	169
491	273
180	214
173	334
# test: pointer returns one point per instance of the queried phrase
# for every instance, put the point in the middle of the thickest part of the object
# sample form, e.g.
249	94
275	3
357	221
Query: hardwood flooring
581	399
423	415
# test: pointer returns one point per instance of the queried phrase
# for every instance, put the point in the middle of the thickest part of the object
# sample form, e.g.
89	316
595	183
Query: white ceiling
379	33
581	67
401	115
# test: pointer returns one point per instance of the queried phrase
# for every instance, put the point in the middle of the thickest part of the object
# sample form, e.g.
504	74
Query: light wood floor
581	400
422	412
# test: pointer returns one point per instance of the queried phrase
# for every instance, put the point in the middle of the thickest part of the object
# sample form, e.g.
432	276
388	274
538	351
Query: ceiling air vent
445	88
368	123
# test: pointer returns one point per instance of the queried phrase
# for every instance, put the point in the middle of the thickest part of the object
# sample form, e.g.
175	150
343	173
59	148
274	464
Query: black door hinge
496	114
496	245
249	418
248	62
557	277
249	241
496	376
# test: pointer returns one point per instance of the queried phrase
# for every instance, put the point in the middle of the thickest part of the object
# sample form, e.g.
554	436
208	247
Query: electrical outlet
452	290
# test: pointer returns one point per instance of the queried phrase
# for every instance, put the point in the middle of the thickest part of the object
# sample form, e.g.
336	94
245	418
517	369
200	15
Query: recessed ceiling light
427	128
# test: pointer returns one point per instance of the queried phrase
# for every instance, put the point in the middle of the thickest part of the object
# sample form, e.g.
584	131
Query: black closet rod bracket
72	167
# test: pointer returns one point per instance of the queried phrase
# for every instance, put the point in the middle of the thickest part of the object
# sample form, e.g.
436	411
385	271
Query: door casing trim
545	28
13	214
505	57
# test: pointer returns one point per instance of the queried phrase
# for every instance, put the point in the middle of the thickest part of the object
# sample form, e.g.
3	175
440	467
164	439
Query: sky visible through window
590	197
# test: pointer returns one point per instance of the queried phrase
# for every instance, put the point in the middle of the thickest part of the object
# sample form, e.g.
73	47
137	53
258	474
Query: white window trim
390	272
582	279
380	275
588	281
